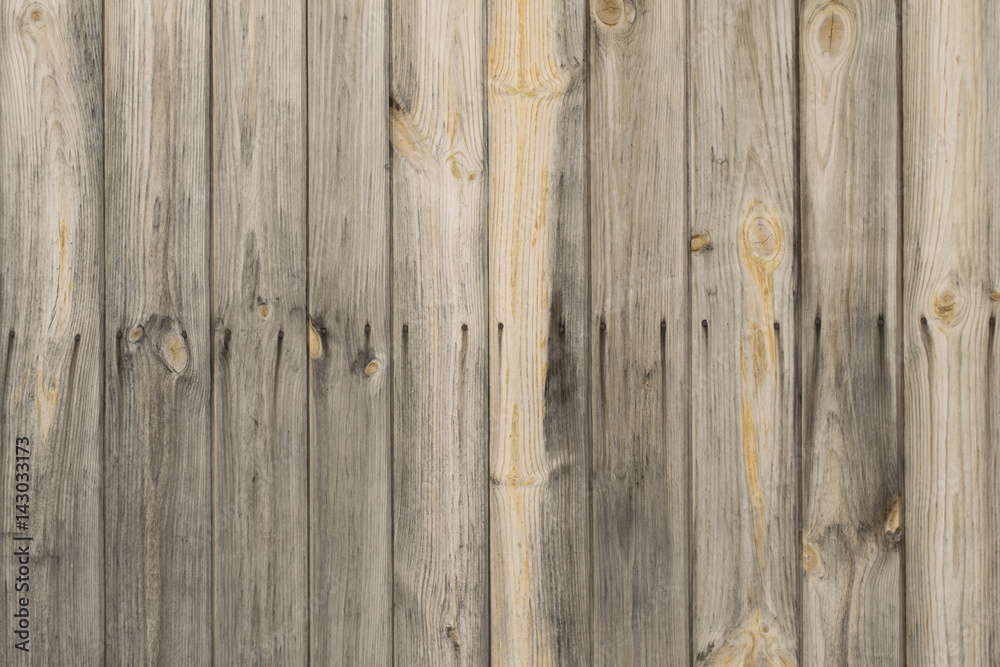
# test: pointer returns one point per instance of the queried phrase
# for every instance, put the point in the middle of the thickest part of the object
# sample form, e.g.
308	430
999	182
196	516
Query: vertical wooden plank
349	339
950	63
51	259
852	469
158	381
743	414
440	403
539	379
260	575
639	246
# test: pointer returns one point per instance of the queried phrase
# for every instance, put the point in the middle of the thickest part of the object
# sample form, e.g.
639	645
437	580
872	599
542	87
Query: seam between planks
210	251
689	364
901	324
797	255
305	330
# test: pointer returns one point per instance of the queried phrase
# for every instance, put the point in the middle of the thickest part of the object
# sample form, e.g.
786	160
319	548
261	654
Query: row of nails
562	328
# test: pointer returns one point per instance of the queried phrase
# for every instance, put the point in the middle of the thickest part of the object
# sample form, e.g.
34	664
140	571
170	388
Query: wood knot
762	239
175	352
810	557
263	310
612	13
135	334
946	305
832	30
371	369
894	517
315	343
34	18
700	242
995	296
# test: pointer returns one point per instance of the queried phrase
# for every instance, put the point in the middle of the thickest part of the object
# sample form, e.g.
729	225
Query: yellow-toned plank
743	404
539	333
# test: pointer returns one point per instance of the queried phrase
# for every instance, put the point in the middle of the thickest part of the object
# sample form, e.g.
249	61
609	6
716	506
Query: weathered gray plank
951	66
158	357
540	333
349	339
260	575
743	408
439	291
639	291
51	259
850	281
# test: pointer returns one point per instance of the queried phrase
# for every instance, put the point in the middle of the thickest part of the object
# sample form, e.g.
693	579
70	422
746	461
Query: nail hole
816	321
500	326
368	328
77	338
323	331
777	326
228	333
465	327
184	334
281	334
117	335
604	326
704	323
405	328
663	324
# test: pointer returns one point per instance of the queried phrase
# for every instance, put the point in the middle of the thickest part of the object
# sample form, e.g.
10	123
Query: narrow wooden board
440	433
951	509
349	341
540	333
639	359
158	356
852	465
743	408
260	575
51	281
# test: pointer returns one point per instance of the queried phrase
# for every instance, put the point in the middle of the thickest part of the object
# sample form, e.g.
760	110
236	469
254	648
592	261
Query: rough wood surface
350	450
51	319
158	463
950	66
540	333
260	574
439	291
743	402
639	289
851	462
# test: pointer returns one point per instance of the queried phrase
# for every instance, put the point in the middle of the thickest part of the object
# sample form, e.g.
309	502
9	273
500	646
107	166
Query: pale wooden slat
852	468
439	282
639	289
540	333
51	319
951	508
158	388
349	339
743	406
260	575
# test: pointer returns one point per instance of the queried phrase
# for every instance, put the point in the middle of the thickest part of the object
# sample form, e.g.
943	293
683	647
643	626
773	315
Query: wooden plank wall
564	332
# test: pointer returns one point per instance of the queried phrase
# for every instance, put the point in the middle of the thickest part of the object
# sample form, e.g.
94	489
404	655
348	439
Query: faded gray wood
260	574
852	465
951	509
350	449
743	403
539	334
439	286
51	260
639	359
158	357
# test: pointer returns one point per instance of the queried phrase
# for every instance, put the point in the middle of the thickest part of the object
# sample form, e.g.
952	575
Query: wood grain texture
639	290
441	440
743	407
51	282
260	575
540	333
349	342
852	465
158	380
950	62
